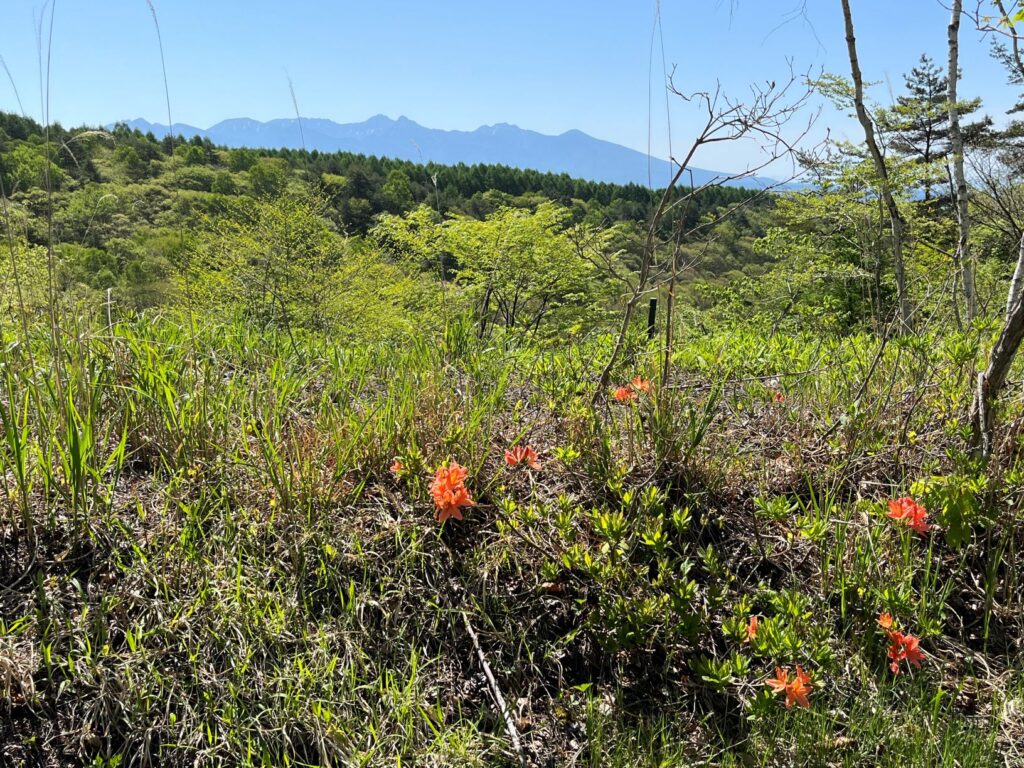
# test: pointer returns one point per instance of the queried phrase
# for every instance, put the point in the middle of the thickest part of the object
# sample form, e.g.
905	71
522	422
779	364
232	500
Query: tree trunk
1016	281
957	146
895	217
994	376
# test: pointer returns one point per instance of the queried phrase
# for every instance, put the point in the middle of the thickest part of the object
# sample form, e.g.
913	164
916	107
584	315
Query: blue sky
549	65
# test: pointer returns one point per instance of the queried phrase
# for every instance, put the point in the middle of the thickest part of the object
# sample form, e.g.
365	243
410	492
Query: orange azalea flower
904	648
799	689
624	394
398	467
780	681
640	384
522	454
751	629
796	690
910	513
802	676
449	492
885	620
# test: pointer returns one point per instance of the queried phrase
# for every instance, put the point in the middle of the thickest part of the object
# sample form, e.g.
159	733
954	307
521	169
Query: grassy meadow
208	559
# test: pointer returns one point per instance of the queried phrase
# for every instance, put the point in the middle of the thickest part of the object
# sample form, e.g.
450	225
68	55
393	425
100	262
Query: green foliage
396	192
524	271
957	502
521	269
28	165
918	127
268	261
23	280
135	167
268	177
277	264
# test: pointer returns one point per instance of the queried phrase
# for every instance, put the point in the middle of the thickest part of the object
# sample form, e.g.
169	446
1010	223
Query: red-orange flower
522	454
778	397
398	467
909	513
449	492
751	629
885	620
624	394
780	681
640	384
904	648
796	690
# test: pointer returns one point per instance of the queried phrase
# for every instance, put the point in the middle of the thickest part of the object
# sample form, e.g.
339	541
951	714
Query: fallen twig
510	724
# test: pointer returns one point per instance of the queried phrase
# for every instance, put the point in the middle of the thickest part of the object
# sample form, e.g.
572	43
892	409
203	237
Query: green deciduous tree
396	192
524	271
268	261
26	166
268	177
519	267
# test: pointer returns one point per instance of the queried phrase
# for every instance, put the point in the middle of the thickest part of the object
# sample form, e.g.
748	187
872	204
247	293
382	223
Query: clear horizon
593	67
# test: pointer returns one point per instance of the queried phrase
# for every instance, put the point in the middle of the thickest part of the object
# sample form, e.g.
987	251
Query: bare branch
763	117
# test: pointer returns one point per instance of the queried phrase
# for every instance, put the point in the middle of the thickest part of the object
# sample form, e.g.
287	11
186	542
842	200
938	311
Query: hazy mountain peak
573	152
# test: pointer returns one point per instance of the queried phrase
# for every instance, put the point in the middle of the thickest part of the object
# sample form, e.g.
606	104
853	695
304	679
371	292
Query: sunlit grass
209	560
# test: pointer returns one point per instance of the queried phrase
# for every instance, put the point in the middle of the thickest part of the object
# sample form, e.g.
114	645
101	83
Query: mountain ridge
573	152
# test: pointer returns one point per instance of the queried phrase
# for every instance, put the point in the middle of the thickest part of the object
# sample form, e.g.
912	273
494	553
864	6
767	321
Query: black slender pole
652	318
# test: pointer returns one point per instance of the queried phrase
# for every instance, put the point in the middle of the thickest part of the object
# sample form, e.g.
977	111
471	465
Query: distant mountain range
572	152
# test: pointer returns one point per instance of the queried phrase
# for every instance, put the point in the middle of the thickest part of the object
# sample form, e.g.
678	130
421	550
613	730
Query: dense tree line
359	187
